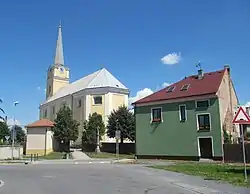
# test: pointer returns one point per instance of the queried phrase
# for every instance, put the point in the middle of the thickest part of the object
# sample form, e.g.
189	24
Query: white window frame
151	113
93	100
200	101
197	121
198	144
185	112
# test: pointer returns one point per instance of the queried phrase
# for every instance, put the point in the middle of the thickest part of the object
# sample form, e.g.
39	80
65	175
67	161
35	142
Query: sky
146	44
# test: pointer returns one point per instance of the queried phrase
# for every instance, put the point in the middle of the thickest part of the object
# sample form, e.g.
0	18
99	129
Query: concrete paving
79	155
104	179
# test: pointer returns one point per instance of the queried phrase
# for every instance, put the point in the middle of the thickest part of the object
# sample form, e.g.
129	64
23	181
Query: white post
98	140
243	151
13	141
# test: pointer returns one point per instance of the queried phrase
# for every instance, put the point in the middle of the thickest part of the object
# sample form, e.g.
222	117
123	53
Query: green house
186	120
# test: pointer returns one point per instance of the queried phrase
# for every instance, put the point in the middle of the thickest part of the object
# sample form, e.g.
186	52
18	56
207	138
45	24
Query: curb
124	161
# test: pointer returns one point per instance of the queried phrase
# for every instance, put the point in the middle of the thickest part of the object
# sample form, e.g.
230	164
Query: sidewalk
79	155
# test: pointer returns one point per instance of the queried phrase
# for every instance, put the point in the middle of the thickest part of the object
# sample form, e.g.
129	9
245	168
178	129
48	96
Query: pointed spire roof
59	59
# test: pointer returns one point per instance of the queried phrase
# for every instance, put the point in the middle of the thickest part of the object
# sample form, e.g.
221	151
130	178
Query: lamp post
98	140
13	133
117	137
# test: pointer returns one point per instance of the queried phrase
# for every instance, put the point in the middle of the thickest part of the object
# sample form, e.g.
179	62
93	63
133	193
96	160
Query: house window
183	112
204	122
202	104
170	89
185	87
97	100
79	103
156	114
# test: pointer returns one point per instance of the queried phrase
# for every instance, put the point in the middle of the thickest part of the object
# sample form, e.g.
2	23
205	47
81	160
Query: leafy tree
65	128
227	137
90	129
4	131
20	135
1	111
123	120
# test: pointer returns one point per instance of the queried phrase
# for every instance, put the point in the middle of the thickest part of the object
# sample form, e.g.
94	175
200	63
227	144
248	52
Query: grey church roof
98	79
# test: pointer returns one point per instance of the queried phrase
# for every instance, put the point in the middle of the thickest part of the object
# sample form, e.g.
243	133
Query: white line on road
1	183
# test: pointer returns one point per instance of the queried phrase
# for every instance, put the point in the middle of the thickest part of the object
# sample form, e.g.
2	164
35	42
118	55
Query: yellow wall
55	83
98	108
118	100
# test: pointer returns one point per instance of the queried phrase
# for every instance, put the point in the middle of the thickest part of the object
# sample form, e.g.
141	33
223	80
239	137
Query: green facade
173	137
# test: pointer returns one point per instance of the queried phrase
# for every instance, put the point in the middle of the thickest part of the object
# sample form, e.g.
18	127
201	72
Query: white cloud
171	59
38	88
10	122
165	84
140	94
248	104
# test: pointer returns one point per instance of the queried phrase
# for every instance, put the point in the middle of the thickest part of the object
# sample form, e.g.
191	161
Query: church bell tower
58	73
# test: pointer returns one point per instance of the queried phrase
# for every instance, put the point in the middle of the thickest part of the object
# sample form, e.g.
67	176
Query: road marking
1	183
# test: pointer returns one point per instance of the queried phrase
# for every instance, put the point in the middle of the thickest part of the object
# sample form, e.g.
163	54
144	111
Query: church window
49	89
97	100
53	110
79	103
45	113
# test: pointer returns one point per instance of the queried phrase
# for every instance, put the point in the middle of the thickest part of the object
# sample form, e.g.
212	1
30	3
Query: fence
124	148
6	152
233	153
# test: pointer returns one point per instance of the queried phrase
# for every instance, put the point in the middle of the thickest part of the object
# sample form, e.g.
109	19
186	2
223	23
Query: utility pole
98	140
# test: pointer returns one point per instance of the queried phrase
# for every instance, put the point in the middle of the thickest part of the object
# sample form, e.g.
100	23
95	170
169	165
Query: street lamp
98	140
13	132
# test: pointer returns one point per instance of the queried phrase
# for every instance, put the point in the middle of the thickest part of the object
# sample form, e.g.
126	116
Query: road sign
7	137
241	117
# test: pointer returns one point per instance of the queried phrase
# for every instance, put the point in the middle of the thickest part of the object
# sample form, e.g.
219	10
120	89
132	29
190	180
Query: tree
90	129
1	111
20	135
4	131
65	128
121	119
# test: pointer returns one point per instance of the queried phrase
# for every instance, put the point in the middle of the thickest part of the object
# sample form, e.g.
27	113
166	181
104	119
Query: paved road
103	179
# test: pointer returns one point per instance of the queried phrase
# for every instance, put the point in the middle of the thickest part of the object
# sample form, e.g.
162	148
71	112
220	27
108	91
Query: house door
206	148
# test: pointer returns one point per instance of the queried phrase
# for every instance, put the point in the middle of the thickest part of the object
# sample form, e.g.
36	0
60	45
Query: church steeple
58	73
59	59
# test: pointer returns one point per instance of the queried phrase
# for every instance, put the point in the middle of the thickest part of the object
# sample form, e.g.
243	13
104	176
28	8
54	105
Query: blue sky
129	38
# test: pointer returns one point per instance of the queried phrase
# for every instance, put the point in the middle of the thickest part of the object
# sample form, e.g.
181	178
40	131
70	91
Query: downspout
45	147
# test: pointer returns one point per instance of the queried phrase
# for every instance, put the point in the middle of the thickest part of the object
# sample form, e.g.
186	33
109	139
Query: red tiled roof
209	84
41	123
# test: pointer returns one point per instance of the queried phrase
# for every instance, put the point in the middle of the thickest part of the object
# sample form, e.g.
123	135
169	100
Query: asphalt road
103	179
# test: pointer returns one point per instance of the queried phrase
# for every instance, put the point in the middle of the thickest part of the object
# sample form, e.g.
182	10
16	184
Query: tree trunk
121	140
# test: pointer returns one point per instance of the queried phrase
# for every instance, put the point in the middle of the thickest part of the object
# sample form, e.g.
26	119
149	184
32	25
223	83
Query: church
98	92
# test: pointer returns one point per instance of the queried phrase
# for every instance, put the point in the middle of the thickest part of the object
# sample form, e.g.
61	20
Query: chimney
200	74
227	67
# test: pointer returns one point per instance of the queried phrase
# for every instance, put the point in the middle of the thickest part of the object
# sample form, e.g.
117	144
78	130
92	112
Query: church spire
59	59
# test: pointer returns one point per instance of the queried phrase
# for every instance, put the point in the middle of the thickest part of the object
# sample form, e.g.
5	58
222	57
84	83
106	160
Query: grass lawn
228	173
109	155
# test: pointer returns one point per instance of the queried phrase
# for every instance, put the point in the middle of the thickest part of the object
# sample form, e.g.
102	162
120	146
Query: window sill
204	130
156	121
183	121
